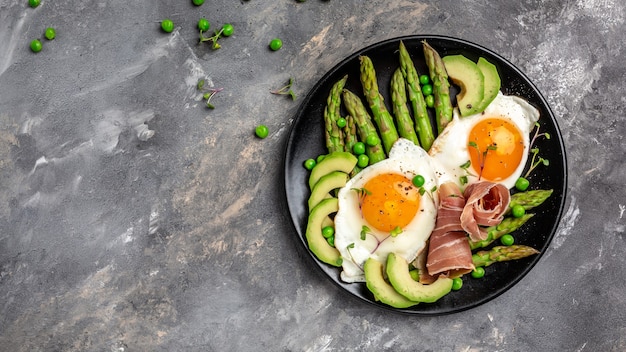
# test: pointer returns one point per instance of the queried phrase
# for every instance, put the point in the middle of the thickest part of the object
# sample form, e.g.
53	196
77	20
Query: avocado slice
383	292
491	82
336	161
316	241
403	283
465	73
326	183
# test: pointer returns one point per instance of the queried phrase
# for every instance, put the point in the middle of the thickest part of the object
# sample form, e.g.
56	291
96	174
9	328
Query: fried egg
491	146
382	211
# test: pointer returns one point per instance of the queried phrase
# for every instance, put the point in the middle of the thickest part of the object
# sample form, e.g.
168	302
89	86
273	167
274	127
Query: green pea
328	231
204	24
427	89
372	140
320	158
261	131
419	180
227	30
331	241
198	2
518	211
363	160
522	184
358	148
50	33
507	240
34	3
424	79
276	44
309	164
36	46
457	283
341	122
167	25
478	272
430	100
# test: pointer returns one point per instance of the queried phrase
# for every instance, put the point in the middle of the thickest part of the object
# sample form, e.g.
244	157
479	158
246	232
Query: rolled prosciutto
486	204
449	253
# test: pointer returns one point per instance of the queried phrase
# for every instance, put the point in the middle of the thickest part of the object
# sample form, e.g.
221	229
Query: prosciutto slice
485	206
449	253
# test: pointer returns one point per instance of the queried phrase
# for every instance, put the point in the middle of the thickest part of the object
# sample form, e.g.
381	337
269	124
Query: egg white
450	149
404	158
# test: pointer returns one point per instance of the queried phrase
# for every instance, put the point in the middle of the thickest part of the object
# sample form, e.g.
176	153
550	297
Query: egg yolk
390	201
496	147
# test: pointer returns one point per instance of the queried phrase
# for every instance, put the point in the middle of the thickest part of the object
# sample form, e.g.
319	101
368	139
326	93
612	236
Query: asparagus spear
502	254
441	87
334	135
529	199
350	139
404	123
422	121
380	114
364	125
508	225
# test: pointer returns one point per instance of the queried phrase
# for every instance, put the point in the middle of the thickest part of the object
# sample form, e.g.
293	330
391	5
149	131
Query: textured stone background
180	243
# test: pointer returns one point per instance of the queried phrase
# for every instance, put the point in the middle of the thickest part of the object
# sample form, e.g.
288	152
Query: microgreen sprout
396	231
537	160
361	192
364	231
286	90
208	93
225	31
482	155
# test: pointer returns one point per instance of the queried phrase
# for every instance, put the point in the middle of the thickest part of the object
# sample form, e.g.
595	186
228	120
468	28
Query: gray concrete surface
113	241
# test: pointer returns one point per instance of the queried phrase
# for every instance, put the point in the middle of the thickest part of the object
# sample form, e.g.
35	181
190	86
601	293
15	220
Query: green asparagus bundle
404	123
334	135
364	125
415	96
502	254
441	87
508	225
380	114
350	139
529	199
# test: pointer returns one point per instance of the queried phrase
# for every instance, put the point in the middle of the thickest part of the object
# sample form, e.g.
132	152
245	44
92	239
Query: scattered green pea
358	148
50	33
276	44
522	184
457	283
363	160
167	25
430	100
227	30
507	240
341	122
328	231
261	131
320	158
372	140
419	180
36	46
518	211
424	79
204	24
309	164
331	241
427	89
478	272
34	3
198	2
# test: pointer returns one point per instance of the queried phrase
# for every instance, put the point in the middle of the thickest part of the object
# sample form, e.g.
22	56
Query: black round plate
307	141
